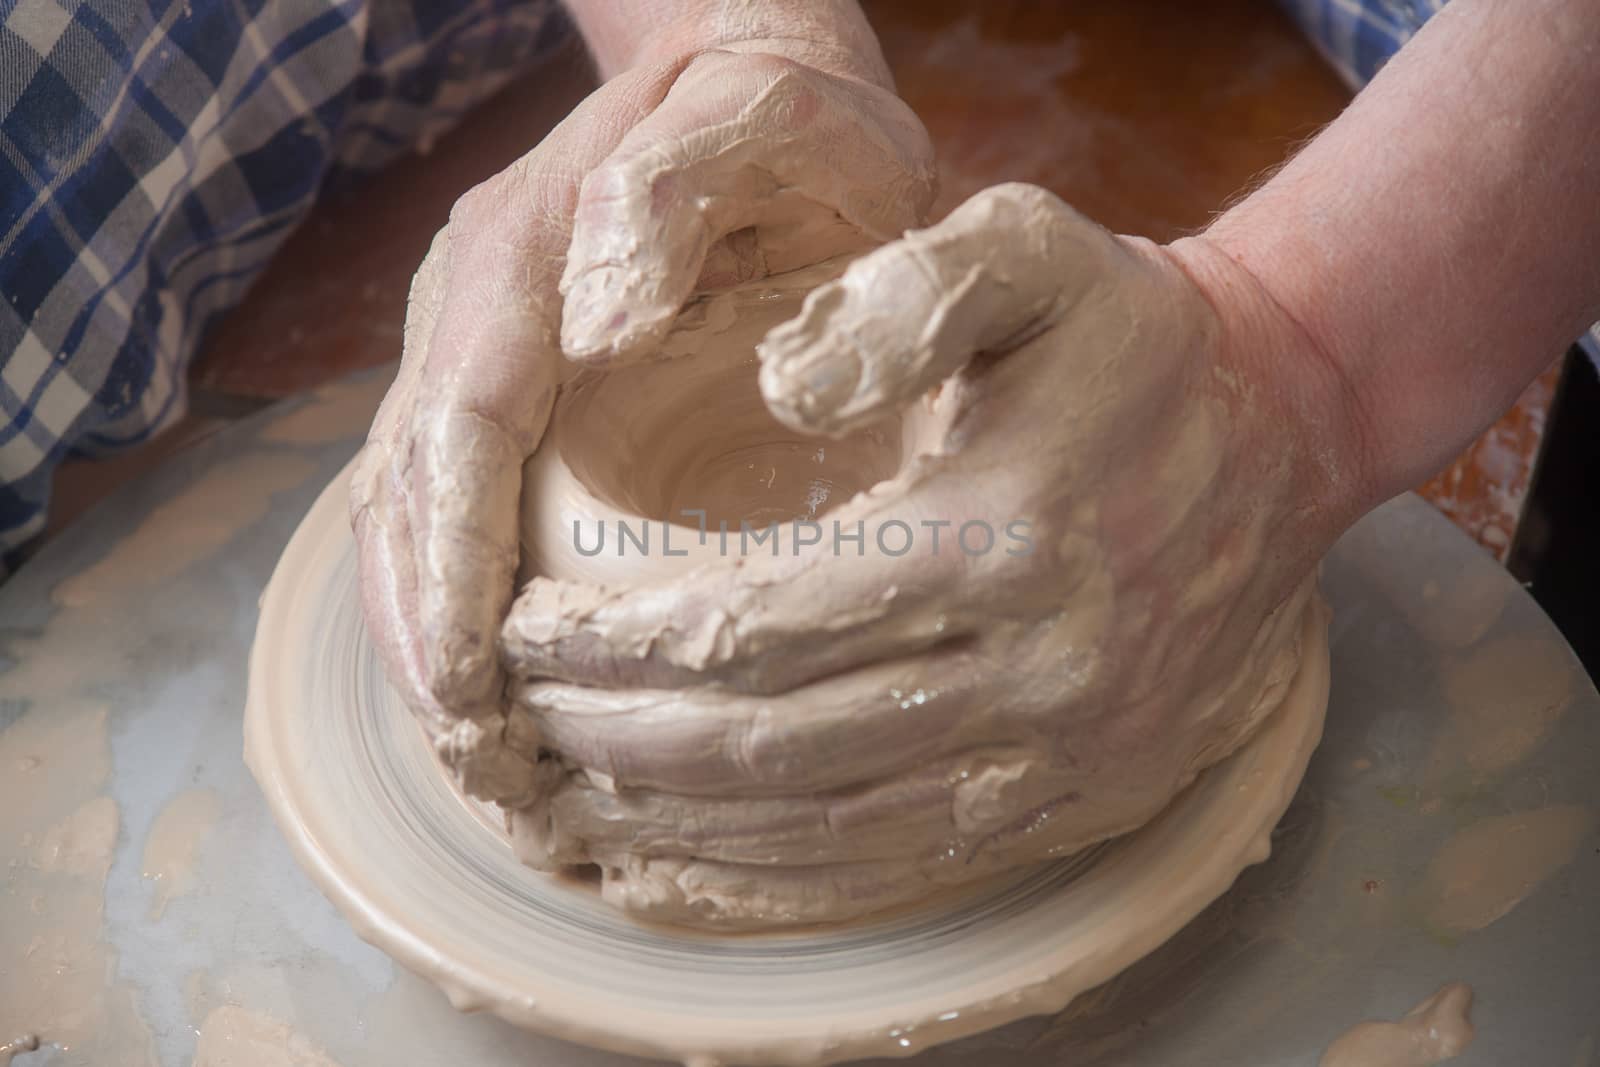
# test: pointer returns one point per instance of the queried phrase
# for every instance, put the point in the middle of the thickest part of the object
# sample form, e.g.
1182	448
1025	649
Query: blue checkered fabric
1358	36
153	156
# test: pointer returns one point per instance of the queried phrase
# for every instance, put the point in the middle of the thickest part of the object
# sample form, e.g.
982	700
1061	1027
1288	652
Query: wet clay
174	843
1487	869
1436	1030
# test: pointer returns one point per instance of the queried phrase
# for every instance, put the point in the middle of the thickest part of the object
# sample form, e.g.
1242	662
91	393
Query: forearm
1439	244
831	35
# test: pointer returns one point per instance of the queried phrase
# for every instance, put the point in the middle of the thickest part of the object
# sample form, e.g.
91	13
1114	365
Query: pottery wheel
376	824
1456	712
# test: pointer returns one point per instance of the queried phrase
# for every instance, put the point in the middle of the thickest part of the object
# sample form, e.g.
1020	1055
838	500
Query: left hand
697	172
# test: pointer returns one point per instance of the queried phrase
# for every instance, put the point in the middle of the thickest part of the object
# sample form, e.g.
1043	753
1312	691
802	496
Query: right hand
769	734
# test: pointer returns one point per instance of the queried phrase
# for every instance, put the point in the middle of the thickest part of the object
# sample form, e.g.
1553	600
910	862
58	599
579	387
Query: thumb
1002	267
740	141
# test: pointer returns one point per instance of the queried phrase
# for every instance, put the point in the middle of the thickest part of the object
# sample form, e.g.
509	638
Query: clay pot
633	451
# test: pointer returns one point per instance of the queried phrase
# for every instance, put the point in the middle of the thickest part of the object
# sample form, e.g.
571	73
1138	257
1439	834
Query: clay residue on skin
174	843
197	522
904	836
1506	697
230	1036
636	226
1436	1030
1487	869
332	413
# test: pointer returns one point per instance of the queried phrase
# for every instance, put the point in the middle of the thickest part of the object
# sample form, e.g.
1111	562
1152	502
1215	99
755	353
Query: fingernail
593	315
607	315
812	375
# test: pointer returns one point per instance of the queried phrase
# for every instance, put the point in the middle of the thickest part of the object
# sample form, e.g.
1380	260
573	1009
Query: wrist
832	36
1292	396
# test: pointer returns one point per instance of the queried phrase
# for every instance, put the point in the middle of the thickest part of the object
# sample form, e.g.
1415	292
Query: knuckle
432	266
477	209
778	70
364	480
780	89
1013	203
616	179
718	64
621	196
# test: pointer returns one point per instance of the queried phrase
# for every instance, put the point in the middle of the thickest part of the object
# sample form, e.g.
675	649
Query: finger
765	624
739	140
466	464
945	808
691	888
732	896
838	732
483	763
388	590
487	387
423	301
378	511
999	269
488	760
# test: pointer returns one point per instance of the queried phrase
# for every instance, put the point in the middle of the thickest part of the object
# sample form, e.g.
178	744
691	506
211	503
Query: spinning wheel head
359	797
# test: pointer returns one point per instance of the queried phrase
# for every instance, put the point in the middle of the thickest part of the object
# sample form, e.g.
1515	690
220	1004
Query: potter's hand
1156	424
709	168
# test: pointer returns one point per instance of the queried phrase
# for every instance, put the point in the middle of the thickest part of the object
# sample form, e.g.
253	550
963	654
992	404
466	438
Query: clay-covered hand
702	171
1132	464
